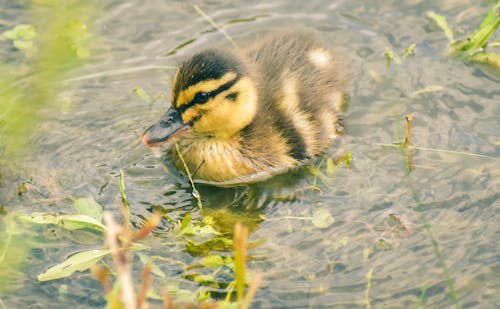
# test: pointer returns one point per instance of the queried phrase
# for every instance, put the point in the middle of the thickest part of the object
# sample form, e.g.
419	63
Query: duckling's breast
226	159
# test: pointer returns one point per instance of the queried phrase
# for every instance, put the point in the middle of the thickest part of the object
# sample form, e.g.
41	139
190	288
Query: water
378	227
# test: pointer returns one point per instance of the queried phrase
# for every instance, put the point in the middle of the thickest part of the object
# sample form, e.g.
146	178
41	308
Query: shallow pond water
380	249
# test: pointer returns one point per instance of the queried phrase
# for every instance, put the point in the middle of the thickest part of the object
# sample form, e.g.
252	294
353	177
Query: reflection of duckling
267	106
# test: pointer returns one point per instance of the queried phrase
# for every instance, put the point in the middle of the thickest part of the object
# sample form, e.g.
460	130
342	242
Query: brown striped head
212	94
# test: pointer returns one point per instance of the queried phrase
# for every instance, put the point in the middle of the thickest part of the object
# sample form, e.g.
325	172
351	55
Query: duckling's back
300	88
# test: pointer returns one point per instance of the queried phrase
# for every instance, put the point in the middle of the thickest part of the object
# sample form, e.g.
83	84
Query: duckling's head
212	95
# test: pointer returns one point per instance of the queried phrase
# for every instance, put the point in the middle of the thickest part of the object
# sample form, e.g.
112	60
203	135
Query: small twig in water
101	273
196	194
197	8
409	153
126	204
408	118
398	145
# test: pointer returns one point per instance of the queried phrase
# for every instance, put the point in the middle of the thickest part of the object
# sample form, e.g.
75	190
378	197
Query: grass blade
442	23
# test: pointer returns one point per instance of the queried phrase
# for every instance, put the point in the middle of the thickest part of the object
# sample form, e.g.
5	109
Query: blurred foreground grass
56	40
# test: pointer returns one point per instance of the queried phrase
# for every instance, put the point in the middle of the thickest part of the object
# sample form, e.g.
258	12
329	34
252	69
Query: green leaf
212	261
89	207
76	36
479	38
490	18
204	295
23	45
186	220
69	222
476	40
196	230
487	58
409	50
204	279
21	32
322	218
204	248
77	262
442	23
390	56
330	167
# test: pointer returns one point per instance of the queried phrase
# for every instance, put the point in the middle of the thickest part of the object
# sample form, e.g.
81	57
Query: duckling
268	106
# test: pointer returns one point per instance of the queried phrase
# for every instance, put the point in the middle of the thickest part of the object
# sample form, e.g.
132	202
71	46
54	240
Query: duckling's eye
201	97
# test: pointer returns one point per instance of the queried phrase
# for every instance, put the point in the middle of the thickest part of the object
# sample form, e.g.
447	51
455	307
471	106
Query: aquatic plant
474	46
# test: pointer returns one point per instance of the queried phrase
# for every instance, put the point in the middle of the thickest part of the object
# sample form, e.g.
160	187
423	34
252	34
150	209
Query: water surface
378	227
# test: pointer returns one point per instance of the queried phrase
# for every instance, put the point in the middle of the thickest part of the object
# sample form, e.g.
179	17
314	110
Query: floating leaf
77	262
69	222
89	207
21	32
204	279
186	220
216	243
197	230
322	218
212	261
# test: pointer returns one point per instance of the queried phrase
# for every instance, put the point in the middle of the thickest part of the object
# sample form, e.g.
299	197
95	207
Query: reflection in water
245	203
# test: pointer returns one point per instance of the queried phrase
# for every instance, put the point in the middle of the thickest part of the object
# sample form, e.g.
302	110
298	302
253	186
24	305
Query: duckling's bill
169	127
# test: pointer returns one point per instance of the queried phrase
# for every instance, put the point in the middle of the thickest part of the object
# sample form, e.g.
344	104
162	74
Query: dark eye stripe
210	95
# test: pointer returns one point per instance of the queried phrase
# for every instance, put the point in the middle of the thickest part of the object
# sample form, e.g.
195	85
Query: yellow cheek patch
190	114
187	95
224	117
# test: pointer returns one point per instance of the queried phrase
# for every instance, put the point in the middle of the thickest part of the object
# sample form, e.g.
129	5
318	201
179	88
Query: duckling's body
268	106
